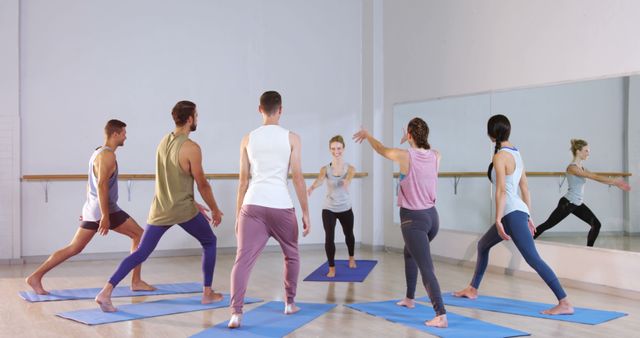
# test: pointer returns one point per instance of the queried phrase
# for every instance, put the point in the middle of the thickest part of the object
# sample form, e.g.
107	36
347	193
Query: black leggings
329	221
563	210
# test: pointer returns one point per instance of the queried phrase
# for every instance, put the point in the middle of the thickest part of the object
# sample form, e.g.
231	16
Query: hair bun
577	144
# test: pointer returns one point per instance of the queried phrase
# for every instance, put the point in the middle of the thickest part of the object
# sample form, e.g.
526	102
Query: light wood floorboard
22	319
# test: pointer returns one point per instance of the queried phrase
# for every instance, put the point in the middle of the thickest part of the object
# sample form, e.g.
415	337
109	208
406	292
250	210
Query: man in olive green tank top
173	201
178	165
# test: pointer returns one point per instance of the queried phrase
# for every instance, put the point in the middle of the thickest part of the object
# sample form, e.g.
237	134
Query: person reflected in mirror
572	201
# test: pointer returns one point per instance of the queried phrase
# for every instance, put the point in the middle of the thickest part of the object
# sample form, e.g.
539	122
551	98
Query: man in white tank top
100	212
264	206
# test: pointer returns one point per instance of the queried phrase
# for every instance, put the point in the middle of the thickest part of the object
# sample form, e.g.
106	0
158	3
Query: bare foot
142	286
468	292
36	285
438	321
332	272
211	297
105	302
407	302
290	309
352	263
563	308
235	320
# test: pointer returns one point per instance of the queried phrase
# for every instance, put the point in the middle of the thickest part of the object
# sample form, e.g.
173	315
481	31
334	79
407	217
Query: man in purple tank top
101	212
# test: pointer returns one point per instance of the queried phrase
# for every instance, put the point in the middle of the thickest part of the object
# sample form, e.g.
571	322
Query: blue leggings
515	225
197	227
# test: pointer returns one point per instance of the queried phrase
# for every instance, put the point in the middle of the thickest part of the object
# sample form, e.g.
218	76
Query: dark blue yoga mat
269	320
120	291
459	326
155	308
531	309
343	272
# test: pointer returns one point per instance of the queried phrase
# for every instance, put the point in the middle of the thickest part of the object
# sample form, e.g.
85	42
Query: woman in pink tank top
418	215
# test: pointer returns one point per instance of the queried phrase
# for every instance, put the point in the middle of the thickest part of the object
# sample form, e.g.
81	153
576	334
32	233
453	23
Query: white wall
543	121
85	62
441	48
9	131
373	119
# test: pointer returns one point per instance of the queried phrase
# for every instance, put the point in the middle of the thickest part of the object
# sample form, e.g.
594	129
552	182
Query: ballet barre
457	176
46	179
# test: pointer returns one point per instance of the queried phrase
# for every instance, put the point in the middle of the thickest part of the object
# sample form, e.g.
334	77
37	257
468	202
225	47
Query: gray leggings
419	227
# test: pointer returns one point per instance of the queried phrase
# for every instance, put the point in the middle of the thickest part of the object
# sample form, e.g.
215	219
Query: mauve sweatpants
255	225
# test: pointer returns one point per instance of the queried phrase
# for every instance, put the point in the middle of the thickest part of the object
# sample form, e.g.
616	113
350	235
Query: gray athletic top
91	209
575	194
512	184
337	199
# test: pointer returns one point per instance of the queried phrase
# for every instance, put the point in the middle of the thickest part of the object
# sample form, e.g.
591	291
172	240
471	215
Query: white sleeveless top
269	152
512	184
91	208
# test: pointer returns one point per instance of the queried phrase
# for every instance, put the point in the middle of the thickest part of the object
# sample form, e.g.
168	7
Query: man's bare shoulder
190	145
245	139
294	138
106	155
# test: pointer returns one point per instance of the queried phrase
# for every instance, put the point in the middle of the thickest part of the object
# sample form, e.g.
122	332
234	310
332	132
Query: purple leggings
197	227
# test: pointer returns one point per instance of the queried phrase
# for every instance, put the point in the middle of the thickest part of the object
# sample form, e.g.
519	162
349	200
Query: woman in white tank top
513	205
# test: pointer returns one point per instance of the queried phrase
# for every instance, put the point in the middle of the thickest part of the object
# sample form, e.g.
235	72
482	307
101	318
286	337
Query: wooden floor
22	319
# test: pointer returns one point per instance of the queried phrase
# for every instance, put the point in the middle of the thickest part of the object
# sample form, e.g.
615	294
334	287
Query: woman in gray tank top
337	203
571	202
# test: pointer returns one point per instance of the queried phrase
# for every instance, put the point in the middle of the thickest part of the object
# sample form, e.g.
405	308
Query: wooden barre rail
139	177
529	174
143	177
457	176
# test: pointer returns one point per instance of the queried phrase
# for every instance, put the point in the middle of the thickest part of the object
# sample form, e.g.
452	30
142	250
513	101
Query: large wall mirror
544	120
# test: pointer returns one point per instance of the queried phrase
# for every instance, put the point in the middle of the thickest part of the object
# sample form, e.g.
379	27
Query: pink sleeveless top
417	190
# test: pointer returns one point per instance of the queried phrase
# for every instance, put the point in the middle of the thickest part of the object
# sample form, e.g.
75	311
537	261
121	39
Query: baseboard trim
372	248
17	261
605	289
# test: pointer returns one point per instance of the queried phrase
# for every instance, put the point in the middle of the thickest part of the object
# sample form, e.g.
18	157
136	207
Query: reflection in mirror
544	121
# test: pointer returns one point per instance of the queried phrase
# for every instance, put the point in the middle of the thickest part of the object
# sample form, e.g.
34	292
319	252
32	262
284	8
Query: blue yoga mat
268	320
120	291
146	310
343	272
459	326
531	309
